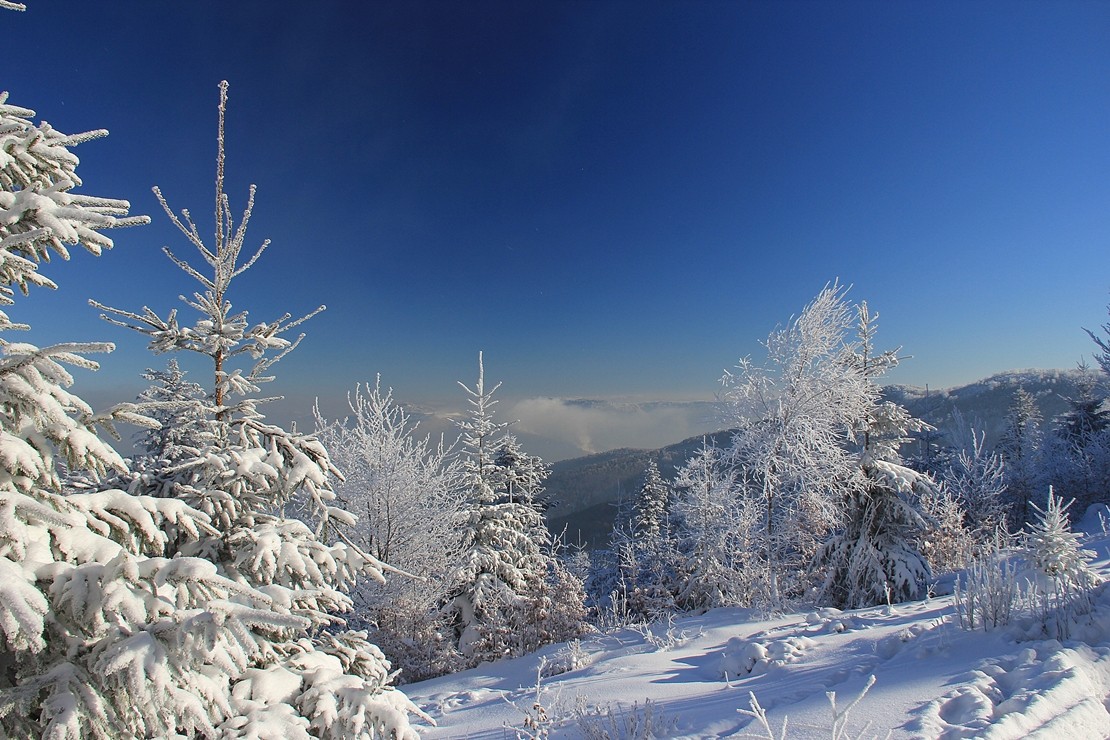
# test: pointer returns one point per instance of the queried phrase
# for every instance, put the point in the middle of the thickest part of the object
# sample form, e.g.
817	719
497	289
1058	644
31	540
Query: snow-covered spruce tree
872	557
1021	450
1065	578
510	594
296	672
651	504
791	417
1078	454
645	552
104	635
408	495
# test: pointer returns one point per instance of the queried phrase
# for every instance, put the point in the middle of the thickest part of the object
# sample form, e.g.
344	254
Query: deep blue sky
609	199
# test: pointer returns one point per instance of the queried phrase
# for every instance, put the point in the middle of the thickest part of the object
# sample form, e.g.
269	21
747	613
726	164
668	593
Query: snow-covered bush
991	593
945	541
408	496
645	721
838	729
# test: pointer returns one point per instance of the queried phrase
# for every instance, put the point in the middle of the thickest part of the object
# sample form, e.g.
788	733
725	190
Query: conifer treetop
218	333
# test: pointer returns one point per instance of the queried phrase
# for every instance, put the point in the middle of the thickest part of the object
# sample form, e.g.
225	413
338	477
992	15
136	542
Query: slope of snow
933	679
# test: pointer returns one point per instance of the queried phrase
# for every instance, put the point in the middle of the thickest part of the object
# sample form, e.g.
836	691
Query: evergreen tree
1085	416
1021	450
651	505
644	548
1079	454
246	476
108	630
504	602
516	475
873	557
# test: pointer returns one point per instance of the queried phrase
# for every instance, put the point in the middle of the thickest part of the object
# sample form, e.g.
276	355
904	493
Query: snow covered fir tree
643	547
872	557
511	594
267	652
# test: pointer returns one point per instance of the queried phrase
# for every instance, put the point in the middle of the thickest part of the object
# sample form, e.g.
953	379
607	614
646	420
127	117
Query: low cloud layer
595	426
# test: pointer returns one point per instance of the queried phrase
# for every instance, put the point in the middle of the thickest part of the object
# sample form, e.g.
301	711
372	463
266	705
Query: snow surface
933	679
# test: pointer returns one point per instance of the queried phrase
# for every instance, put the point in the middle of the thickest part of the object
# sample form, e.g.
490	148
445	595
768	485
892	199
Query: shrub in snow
1065	580
645	721
267	654
510	593
990	594
945	542
838	729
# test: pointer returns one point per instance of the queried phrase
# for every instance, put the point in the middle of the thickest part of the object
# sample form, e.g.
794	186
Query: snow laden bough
102	633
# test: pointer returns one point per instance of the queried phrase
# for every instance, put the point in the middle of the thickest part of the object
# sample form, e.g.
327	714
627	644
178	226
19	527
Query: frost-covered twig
759	714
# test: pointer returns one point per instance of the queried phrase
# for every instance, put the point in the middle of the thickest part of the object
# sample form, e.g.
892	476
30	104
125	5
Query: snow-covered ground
932	678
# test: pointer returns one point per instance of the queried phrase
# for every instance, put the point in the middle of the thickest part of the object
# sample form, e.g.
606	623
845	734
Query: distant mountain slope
984	404
586	490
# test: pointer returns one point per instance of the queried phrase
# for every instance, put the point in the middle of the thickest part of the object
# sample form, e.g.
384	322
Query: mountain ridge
587	491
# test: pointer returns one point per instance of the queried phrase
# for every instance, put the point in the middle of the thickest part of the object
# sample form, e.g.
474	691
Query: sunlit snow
932	678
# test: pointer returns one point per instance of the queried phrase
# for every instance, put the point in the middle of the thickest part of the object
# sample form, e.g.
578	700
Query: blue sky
608	198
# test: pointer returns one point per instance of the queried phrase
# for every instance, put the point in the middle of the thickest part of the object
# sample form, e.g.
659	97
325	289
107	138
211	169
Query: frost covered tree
408	496
406	492
108	630
511	594
716	530
1086	415
651	504
1021	449
644	548
516	475
1065	577
976	479
1078	454
792	415
290	668
873	557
